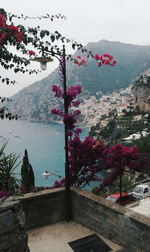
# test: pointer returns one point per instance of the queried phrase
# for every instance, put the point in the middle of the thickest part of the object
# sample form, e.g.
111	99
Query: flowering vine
9	33
83	155
89	157
119	158
43	43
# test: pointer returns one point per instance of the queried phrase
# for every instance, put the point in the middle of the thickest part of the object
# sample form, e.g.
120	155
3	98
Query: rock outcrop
13	237
141	91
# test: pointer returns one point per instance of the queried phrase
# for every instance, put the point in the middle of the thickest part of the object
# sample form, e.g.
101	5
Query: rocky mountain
36	100
141	91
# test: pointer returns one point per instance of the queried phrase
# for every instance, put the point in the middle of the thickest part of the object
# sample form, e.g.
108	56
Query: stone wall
119	224
13	237
43	208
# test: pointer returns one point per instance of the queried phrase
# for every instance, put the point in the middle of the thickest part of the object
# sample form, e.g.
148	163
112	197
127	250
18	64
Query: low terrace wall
43	208
117	223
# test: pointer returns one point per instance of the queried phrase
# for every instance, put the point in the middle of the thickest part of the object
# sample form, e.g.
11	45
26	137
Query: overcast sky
116	20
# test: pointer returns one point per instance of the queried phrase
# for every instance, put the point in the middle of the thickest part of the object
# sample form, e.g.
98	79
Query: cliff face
141	91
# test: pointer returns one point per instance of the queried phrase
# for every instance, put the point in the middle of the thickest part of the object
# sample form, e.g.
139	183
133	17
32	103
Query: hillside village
94	109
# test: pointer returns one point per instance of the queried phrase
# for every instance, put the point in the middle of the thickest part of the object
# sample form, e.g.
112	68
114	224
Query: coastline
53	122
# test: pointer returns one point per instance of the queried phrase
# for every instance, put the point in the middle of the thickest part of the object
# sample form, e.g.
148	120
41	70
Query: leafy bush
8	163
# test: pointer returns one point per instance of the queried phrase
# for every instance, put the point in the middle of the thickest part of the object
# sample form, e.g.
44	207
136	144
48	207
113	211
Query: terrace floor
55	237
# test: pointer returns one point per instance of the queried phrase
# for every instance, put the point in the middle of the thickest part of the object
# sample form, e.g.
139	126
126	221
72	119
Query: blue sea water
44	143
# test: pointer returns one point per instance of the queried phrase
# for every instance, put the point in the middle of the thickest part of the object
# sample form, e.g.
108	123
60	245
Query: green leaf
42	34
52	38
73	46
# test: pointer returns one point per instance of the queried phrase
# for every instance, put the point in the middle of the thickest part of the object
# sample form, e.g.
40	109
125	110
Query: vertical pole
67	179
120	182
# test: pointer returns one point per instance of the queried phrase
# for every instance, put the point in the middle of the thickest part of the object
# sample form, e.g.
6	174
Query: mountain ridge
36	100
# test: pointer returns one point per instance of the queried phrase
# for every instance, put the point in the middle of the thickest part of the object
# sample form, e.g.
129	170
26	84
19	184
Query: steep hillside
36	100
141	91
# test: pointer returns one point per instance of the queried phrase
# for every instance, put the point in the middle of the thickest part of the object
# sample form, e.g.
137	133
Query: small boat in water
46	174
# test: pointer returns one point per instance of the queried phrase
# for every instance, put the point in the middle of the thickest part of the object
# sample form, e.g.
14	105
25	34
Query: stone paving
55	238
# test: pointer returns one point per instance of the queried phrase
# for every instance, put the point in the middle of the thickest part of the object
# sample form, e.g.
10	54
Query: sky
87	21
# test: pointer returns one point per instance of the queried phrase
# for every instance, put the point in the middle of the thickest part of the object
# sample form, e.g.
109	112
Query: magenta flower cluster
71	94
9	31
89	157
80	61
69	119
57	90
105	59
119	158
5	194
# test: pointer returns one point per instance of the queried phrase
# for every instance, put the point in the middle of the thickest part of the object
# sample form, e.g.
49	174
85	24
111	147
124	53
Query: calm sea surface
44	143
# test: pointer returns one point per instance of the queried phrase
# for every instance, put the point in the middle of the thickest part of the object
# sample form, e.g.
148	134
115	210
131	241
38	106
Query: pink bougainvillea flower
78	131
13	28
105	59
59	183
57	90
113	63
74	91
75	103
80	61
19	37
3	36
76	62
96	56
99	64
76	113
83	61
69	121
2	21
56	111
30	52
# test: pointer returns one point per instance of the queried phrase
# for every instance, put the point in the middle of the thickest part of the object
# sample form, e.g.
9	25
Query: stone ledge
110	205
117	223
40	193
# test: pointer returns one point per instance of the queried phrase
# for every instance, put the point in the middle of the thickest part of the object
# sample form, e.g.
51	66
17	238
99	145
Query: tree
119	159
31	176
27	173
